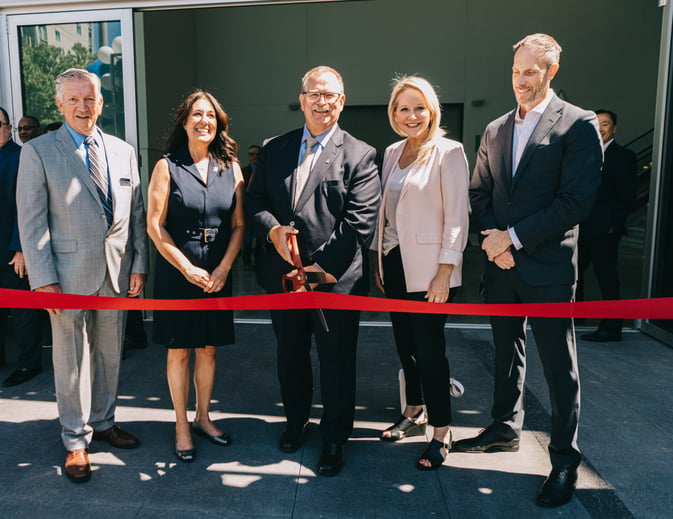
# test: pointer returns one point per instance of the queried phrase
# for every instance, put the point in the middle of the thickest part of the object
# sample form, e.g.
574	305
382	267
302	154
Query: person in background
601	231
13	272
82	226
250	236
195	219
28	128
537	173
421	234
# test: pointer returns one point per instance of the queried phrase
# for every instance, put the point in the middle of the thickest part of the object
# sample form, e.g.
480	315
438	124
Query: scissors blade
321	315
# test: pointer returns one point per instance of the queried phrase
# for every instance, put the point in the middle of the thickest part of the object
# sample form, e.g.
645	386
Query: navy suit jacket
552	191
335	215
616	194
9	228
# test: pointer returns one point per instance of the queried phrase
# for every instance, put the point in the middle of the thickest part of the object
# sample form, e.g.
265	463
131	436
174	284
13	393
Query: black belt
203	234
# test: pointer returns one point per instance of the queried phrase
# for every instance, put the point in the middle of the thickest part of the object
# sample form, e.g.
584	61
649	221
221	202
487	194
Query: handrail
642	136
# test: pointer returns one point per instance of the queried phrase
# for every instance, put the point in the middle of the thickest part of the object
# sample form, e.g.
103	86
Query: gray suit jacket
64	233
552	191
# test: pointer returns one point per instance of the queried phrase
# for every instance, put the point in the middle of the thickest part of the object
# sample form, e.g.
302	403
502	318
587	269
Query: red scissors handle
298	280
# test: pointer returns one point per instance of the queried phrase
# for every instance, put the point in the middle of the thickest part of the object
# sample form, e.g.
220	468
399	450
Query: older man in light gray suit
82	224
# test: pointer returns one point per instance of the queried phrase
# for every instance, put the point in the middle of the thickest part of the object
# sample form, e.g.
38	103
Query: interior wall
252	57
170	40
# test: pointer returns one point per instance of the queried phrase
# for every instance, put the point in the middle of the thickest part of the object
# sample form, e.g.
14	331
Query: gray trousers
87	348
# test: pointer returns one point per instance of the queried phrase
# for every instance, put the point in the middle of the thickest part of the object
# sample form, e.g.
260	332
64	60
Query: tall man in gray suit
82	226
536	176
322	184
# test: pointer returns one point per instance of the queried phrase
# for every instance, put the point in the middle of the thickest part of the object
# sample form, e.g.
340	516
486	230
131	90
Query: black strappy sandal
435	453
406	427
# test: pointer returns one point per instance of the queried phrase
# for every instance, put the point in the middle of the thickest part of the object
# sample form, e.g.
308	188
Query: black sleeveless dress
192	207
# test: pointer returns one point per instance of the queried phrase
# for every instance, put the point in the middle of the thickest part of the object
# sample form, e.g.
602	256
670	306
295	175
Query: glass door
659	281
43	45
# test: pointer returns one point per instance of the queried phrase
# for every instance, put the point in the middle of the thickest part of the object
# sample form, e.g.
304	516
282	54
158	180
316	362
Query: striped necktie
99	176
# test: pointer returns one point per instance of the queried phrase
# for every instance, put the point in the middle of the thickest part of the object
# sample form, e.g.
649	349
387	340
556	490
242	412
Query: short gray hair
319	70
543	45
76	74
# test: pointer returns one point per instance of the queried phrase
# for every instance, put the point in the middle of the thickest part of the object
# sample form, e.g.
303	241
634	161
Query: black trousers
601	252
421	346
555	340
27	330
336	354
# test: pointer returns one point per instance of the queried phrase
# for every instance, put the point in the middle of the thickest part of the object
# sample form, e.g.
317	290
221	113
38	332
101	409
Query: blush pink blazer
432	214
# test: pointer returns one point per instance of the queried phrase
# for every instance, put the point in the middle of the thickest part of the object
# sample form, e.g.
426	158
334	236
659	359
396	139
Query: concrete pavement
626	435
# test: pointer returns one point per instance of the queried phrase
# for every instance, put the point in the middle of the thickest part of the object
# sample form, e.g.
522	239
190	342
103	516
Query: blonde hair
434	132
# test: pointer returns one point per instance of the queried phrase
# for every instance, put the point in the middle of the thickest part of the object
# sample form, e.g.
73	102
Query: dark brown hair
223	148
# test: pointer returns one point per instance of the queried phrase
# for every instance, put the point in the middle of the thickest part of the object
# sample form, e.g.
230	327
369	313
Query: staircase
636	222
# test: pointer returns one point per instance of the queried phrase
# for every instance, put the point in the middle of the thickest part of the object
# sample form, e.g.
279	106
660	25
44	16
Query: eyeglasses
24	128
330	97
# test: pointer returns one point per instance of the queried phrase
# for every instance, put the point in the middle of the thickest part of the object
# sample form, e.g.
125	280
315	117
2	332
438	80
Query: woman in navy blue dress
195	219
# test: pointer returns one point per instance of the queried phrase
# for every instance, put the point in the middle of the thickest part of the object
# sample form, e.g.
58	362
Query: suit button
291	223
102	217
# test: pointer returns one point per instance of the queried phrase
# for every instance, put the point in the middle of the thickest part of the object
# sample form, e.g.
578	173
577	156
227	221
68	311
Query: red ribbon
656	308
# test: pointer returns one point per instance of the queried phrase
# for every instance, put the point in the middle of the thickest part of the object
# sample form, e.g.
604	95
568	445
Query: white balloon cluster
104	54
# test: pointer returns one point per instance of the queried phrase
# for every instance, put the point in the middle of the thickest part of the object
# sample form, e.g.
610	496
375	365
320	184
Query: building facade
251	55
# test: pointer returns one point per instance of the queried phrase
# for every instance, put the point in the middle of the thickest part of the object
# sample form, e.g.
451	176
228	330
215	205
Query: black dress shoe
117	437
292	438
488	440
223	439
558	488
602	336
21	375
331	459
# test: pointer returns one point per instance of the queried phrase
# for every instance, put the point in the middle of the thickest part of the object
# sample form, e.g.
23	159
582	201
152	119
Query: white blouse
392	197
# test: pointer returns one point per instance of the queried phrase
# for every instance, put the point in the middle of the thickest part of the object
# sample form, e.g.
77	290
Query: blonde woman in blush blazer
420	237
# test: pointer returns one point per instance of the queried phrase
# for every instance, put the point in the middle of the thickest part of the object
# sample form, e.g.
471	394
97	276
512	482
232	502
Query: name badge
124	181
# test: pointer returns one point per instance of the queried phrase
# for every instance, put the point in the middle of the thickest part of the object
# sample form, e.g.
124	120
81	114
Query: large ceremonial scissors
300	278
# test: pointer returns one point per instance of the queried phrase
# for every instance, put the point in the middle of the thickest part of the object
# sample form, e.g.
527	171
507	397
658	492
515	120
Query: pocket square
124	181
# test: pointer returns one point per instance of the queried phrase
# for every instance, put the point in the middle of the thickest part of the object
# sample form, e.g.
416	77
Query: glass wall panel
47	50
662	278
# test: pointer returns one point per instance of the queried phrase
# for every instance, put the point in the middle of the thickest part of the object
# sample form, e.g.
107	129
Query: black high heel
406	427
435	453
185	455
223	439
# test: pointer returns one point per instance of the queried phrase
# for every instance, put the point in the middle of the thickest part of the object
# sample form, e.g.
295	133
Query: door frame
124	16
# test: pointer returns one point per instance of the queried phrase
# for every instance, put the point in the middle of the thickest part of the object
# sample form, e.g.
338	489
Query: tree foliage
41	64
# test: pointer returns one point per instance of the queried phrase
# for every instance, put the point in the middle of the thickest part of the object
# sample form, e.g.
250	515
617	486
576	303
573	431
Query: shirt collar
539	109
605	146
79	138
322	139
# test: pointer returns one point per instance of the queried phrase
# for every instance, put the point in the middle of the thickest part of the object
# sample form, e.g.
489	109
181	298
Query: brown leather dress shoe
117	437
77	466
